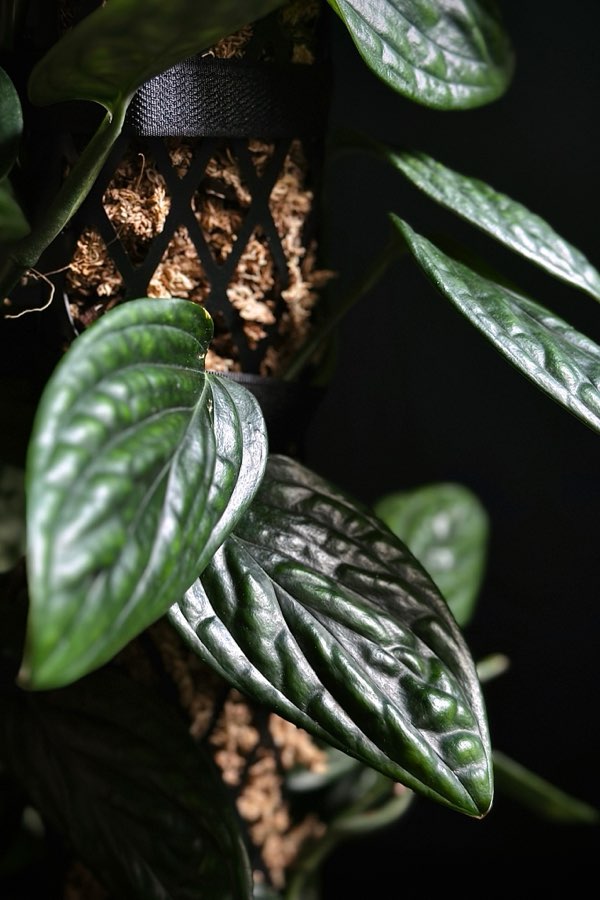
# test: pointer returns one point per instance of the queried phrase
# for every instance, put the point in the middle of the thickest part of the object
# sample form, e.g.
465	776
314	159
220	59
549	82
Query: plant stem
392	251
25	254
538	795
359	818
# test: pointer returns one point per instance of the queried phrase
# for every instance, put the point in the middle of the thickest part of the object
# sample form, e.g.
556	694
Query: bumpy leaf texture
316	609
446	528
558	359
112	51
138	467
447	54
509	222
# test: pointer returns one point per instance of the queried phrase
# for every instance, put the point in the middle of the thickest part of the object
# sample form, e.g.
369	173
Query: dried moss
252	759
254	765
275	319
137	203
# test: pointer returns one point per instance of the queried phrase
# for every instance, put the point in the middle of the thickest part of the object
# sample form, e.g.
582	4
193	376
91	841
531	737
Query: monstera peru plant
153	497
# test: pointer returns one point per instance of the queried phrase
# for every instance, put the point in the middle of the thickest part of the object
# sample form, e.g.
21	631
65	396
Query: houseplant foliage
151	493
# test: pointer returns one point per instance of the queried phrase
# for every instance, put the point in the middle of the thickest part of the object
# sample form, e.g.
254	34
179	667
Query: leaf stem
392	251
358	818
25	254
538	795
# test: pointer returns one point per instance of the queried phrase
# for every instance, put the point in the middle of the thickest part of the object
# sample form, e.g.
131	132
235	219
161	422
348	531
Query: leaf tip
40	669
24	677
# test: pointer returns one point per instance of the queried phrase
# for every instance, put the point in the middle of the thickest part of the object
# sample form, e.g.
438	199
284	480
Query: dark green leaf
11	124
124	43
448	54
316	609
446	528
114	770
538	795
13	224
138	467
504	219
558	359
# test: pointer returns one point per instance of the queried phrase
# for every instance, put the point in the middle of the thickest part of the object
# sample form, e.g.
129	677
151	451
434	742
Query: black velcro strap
208	97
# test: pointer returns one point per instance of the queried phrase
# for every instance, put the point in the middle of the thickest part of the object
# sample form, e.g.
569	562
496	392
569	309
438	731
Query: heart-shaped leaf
114	770
124	43
558	359
316	609
504	219
11	124
138	467
446	528
447	54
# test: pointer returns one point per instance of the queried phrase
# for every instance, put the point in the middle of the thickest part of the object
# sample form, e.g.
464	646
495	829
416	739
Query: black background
420	396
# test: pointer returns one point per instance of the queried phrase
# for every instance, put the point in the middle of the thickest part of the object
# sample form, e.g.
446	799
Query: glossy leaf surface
124	43
447	54
11	124
316	609
504	219
138	467
446	528
558	359
114	770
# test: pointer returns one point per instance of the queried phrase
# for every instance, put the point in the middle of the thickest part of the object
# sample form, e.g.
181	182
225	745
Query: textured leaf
316	609
447	54
11	124
558	359
114	770
504	219
538	795
138	467
124	43
446	528
13	224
